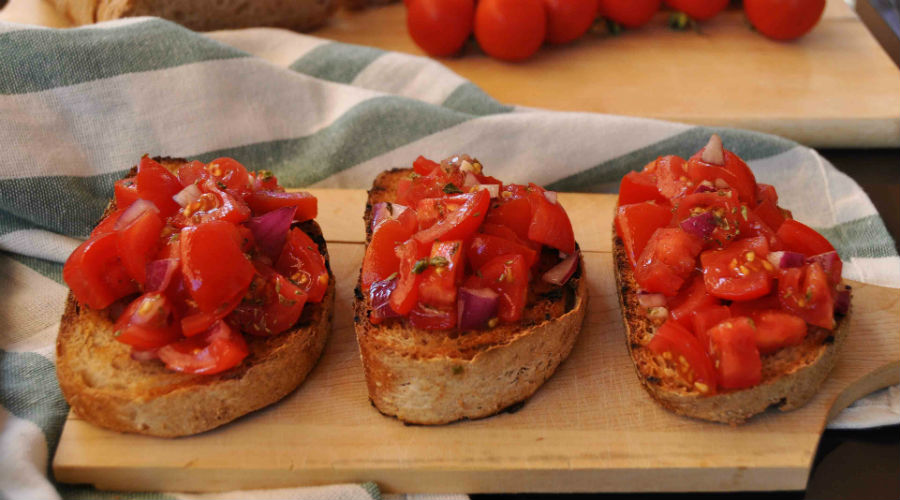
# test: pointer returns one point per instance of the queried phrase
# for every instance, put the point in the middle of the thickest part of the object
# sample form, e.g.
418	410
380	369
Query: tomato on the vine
784	19
440	27
699	10
629	13
511	30
569	19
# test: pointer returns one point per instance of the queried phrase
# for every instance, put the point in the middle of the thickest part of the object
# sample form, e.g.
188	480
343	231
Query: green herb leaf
451	188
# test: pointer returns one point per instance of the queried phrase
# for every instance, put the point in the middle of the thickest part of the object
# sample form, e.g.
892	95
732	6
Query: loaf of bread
206	15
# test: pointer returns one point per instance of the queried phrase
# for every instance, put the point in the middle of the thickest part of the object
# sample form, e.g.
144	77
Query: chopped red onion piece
842	302
830	262
651	299
705	187
470	181
475	307
560	273
386	210
270	230
379	295
159	274
133	212
785	260
551	196
187	195
492	189
701	225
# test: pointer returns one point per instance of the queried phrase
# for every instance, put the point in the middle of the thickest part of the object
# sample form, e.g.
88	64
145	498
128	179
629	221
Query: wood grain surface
590	428
835	87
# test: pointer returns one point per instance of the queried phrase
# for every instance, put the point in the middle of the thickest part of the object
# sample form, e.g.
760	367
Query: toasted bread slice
437	377
790	376
106	387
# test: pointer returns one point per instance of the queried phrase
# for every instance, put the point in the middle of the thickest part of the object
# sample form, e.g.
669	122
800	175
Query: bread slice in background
206	15
791	376
440	376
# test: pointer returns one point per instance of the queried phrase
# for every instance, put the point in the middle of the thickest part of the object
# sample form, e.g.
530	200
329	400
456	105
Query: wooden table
833	88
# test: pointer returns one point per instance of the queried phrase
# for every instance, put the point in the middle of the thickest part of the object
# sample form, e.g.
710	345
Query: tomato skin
192	172
95	274
692	298
676	340
798	237
732	346
125	192
406	294
629	13
784	19
431	318
424	166
381	259
148	322
667	261
459	224
636	223
270	308
737	272
511	30
440	27
550	224
514	214
264	201
138	243
155	183
213	351
768	212
437	286
671	177
508	276
301	263
215	269
700	10
776	329
707	317
805	291
728	212
507	234
485	247
640	186
232	174
195	321
567	20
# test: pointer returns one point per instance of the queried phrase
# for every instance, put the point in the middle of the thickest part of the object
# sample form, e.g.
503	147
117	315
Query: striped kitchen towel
78	107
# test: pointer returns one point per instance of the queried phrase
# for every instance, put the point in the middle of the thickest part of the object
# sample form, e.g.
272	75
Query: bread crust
790	376
105	386
437	377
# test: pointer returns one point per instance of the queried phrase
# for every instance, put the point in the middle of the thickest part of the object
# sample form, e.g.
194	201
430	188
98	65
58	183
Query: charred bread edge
183	404
788	391
439	390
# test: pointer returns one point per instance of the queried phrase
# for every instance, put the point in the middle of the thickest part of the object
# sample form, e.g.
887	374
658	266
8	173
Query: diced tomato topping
768	212
381	259
735	173
126	192
303	265
637	187
732	347
707	317
459	224
95	273
507	234
798	237
672	177
405	296
636	223
667	261
805	291
214	351
550	225
155	183
690	299
148	322
441	274
508	276
193	320
232	175
514	213
270	307
108	224
138	243
424	166
738	272
261	202
776	329
215	268
751	307
729	215
676	344
485	247
766	192
431	210
433	318
192	172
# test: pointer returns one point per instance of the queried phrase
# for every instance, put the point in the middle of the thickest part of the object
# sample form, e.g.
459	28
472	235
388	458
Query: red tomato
138	243
507	234
441	274
192	172
692	297
667	261
732	346
301	262
776	329
381	259
734	172
193	320
639	186
701	10
485	247
766	192
768	212
511	30
514	213
440	27
784	19
406	295
707	317
459	224
629	13
805	292
231	174
508	276
737	272
108	224
672	177
424	166
636	223
688	355
125	192
95	273
155	183
569	19
550	223
432	318
751	307
730	217
213	204
431	210
411	190
148	322
270	307
798	237
215	351
265	201
215	269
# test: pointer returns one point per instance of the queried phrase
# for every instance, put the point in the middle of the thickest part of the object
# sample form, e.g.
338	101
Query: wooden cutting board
835	87
591	427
